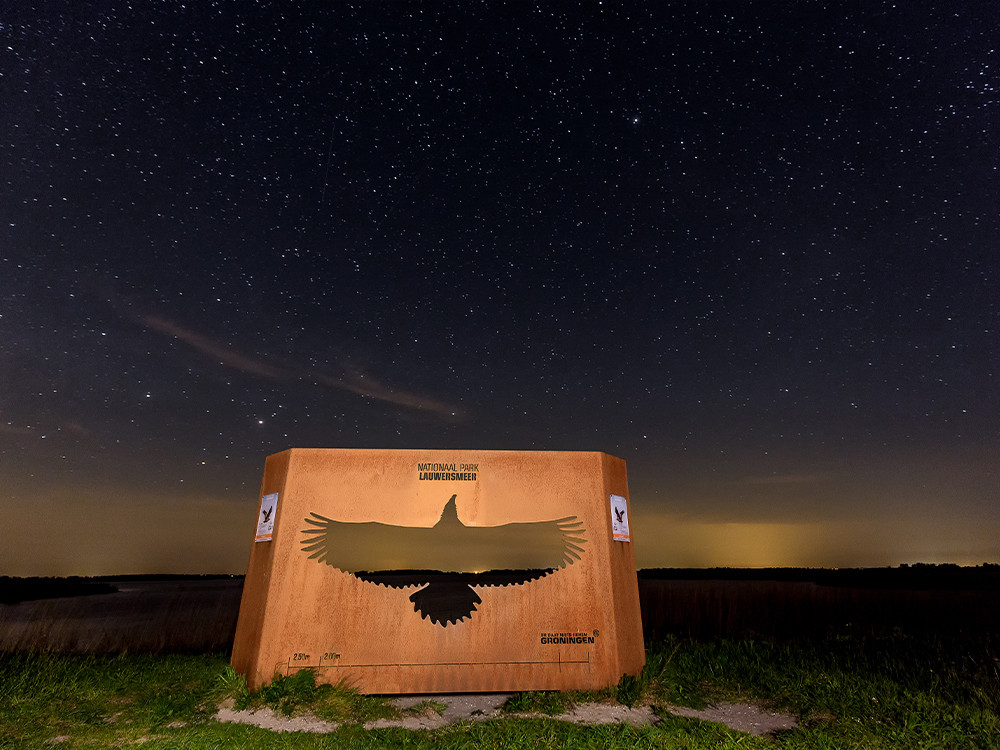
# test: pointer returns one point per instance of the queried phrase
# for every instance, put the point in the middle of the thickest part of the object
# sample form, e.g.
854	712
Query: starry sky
749	247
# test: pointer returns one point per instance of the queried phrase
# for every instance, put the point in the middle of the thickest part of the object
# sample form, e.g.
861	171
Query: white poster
265	521
619	519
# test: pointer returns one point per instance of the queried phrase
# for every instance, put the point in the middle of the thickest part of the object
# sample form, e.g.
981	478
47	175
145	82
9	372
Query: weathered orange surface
300	611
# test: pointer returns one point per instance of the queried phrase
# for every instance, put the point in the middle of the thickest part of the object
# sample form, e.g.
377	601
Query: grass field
892	691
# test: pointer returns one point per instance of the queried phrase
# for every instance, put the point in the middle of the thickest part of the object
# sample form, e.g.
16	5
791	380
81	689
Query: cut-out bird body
446	560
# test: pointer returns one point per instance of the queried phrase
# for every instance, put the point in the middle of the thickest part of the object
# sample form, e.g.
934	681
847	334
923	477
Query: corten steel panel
329	591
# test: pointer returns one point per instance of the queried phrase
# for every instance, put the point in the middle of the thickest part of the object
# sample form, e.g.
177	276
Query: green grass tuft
548	702
300	693
285	694
233	683
630	690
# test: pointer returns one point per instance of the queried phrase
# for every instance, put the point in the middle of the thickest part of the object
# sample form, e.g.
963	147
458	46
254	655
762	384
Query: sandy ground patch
743	717
481	706
609	713
458	707
265	718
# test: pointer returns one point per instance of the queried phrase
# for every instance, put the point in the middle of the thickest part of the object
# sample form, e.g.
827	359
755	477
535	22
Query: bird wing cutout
448	546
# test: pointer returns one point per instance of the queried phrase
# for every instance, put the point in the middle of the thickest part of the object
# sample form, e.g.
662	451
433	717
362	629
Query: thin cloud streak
356	381
362	385
213	349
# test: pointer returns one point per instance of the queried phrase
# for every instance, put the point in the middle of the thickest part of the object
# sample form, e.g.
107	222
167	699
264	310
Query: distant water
143	615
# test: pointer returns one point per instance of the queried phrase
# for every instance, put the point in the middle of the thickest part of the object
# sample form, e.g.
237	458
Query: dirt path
481	706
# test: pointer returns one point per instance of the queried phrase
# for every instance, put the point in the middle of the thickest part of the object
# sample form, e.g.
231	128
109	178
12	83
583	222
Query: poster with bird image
265	520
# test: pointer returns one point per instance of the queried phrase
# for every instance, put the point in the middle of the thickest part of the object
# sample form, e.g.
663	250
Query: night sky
753	248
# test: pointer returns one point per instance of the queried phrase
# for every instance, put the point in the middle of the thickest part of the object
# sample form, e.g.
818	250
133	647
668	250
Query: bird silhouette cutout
446	561
620	514
267	513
